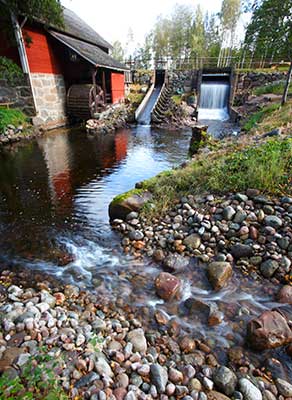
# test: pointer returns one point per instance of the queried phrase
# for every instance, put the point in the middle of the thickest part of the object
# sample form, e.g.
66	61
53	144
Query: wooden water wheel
85	100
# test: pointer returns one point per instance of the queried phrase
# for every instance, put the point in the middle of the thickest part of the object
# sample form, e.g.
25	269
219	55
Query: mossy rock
127	202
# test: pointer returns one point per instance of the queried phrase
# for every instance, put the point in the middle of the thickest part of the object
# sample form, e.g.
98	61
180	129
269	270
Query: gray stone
192	241
138	340
249	390
241	197
225	380
228	213
284	388
268	268
241	251
239	217
159	377
283	242
86	380
287	200
136	235
102	366
175	262
274	221
132	215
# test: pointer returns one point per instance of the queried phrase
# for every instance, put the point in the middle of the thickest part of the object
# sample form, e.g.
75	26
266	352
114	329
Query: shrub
9	70
11	117
37	381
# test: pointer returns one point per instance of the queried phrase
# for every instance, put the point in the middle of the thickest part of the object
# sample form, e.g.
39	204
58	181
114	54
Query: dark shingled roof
75	26
89	52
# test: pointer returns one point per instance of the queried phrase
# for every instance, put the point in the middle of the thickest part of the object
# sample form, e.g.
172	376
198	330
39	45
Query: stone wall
251	80
50	96
19	93
184	81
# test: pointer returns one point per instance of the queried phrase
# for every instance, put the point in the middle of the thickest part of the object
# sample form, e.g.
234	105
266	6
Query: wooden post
104	85
285	94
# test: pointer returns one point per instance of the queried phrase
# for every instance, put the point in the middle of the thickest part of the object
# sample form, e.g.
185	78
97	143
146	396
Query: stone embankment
103	351
108	121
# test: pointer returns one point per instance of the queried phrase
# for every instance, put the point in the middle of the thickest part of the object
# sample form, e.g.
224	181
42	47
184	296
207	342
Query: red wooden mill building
62	66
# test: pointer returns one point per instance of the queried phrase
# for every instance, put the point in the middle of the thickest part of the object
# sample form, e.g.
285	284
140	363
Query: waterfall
214	100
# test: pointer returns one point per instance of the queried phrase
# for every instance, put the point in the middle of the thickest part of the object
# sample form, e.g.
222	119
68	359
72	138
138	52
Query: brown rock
219	273
9	356
253	233
167	285
120	393
285	295
213	395
187	345
119	209
158	255
268	331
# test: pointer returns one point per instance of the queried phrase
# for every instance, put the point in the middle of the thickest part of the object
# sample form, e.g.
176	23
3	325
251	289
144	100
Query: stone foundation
18	93
50	97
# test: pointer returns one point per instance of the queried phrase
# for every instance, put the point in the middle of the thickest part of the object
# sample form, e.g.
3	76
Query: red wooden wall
118	86
40	54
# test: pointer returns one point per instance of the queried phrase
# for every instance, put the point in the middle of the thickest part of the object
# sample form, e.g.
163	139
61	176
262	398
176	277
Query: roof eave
86	58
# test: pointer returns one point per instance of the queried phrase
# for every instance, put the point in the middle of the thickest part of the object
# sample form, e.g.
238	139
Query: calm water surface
55	193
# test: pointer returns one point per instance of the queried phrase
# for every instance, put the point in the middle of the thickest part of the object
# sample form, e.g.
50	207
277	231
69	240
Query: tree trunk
285	94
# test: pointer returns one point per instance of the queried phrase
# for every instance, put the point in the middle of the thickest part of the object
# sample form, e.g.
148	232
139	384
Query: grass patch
275	88
280	68
177	99
254	119
267	167
11	117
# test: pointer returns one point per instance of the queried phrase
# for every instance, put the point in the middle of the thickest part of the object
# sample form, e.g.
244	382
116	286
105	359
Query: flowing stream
54	197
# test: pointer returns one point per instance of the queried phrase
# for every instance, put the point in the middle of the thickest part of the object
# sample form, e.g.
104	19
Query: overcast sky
112	19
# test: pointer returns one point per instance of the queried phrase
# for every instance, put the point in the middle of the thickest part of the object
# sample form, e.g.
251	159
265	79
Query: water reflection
58	158
60	186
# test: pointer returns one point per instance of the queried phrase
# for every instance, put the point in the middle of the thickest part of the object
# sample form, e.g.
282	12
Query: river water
54	196
55	193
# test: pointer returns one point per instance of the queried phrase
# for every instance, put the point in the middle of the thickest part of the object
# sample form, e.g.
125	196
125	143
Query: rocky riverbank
13	134
249	230
105	350
113	118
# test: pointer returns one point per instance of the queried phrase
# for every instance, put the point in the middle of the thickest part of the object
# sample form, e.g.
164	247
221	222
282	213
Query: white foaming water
213	101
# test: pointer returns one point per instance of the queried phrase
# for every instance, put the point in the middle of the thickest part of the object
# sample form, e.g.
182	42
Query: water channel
54	196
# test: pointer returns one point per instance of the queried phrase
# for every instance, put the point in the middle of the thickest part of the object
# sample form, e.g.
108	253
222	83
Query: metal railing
238	62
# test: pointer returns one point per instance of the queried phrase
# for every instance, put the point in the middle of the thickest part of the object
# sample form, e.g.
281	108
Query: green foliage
10	71
254	119
47	11
185	34
37	381
267	167
269	32
11	117
118	52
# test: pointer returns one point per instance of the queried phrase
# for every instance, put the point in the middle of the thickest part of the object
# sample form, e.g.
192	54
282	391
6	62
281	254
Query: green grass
267	167
11	117
275	88
254	119
282	68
